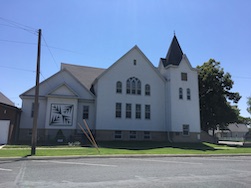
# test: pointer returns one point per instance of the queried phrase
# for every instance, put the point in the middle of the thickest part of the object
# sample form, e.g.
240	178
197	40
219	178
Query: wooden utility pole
35	116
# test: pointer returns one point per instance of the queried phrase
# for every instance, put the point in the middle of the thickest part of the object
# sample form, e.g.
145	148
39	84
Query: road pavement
181	172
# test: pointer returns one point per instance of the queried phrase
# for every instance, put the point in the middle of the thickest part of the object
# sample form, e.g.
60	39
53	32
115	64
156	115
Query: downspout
166	121
17	125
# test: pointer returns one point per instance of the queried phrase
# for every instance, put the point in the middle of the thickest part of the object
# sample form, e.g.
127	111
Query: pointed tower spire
174	54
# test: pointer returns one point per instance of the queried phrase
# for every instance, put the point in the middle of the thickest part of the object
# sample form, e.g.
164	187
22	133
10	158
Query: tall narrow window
147	111
188	94
118	110
128	86
185	130
184	76
85	112
128	110
133	87
138	111
147	90
135	62
138	87
32	109
180	93
119	87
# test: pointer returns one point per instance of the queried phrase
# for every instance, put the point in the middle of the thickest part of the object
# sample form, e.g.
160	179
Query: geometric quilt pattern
61	114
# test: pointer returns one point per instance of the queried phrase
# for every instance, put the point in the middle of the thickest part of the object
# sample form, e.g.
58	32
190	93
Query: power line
18	42
242	77
50	51
14	68
17	25
32	43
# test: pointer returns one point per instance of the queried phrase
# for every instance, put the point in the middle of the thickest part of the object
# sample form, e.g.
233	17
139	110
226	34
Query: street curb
117	156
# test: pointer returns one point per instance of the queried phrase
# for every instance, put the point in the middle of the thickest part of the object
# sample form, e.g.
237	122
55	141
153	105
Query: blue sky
97	33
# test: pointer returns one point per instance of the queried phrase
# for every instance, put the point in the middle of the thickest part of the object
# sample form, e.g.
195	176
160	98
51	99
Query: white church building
130	100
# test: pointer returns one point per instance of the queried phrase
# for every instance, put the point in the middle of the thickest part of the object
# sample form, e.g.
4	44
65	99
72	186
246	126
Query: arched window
133	86
188	94
147	89
180	93
119	87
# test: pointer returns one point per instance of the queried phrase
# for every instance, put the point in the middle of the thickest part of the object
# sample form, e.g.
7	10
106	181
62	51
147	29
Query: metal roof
174	54
5	100
85	75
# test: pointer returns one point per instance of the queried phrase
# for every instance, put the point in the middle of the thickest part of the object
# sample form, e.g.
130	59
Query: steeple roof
174	54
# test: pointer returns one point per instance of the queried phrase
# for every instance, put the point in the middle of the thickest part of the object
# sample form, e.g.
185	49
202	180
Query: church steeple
174	54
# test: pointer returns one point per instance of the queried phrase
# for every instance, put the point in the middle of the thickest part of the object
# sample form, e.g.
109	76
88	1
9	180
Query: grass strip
125	148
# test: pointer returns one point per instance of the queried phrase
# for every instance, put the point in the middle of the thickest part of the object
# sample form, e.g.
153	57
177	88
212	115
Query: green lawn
123	148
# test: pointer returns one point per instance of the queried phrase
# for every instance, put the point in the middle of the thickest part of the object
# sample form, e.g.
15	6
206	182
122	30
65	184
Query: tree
249	104
215	96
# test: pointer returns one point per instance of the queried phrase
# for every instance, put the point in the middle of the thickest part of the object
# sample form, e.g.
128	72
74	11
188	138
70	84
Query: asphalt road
224	172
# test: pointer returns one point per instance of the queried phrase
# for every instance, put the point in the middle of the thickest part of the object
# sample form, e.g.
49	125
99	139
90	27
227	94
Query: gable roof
67	70
63	88
174	54
85	75
144	56
234	127
5	100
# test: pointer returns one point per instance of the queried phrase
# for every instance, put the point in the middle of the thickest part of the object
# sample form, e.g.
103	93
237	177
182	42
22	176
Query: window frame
128	87
138	87
147	90
134	62
32	109
119	87
148	111
118	110
137	111
85	114
128	114
117	135
188	94
133	135
184	76
147	135
185	130
180	93
133	86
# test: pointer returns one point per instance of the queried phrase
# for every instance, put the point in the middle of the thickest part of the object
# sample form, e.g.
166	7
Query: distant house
9	120
233	131
131	100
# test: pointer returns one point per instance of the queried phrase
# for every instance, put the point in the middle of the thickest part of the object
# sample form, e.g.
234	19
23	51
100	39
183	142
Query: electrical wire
50	51
17	25
242	77
15	68
18	42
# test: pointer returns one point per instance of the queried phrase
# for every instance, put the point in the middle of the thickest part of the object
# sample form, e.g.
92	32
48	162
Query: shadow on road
11	160
144	145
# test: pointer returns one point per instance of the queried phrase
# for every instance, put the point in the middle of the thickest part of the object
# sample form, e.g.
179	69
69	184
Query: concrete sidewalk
231	143
1	146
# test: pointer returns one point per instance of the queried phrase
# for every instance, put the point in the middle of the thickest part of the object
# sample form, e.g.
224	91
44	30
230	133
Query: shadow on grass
145	145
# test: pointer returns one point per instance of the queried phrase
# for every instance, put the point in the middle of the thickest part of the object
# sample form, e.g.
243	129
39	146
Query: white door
4	131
